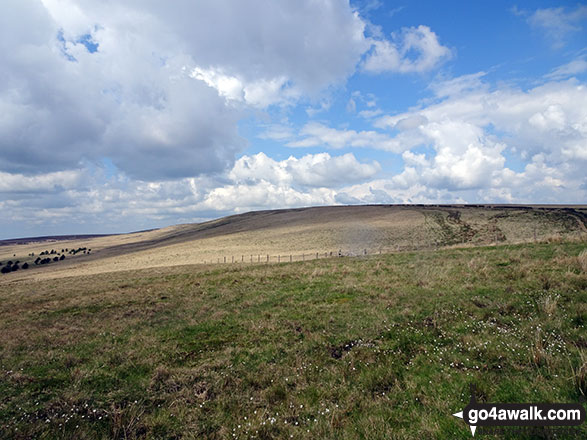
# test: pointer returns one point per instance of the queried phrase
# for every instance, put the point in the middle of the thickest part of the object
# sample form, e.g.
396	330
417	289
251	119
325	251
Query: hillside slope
302	234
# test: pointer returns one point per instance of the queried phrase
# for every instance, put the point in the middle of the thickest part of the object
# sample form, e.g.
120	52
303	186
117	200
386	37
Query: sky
124	115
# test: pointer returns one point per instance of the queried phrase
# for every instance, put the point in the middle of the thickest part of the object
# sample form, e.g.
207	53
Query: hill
300	234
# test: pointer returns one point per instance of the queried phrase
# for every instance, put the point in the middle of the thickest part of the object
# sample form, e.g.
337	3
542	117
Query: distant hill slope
303	233
50	239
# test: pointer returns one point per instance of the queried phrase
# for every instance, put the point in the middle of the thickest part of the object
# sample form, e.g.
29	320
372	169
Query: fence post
303	257
243	259
258	258
279	258
233	258
267	258
290	258
316	255
225	259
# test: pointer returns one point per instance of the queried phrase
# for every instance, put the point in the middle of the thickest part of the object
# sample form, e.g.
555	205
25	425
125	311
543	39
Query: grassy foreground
381	347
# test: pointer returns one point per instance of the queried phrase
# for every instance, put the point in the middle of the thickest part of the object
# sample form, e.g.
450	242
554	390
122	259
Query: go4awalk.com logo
520	414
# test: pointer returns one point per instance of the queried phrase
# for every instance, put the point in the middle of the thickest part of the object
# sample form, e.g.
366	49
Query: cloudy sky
131	114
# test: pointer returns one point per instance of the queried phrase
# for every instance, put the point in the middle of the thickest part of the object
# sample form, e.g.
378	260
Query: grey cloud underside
134	100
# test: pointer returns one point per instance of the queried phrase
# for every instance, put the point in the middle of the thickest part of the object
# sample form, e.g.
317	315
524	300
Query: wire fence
260	258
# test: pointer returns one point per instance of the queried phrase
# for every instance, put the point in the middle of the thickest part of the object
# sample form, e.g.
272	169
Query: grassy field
382	347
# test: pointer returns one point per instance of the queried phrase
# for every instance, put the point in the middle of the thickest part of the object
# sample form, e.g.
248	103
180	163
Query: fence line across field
291	257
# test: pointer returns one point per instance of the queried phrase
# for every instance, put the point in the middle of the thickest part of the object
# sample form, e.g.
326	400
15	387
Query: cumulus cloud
469	137
242	198
42	183
159	90
258	181
311	170
413	49
387	191
154	88
70	198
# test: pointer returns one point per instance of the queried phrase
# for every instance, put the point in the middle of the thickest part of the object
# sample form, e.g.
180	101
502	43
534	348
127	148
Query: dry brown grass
582	260
540	356
549	304
301	233
580	374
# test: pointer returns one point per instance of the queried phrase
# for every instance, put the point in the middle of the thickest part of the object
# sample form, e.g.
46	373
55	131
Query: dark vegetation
50	256
12	267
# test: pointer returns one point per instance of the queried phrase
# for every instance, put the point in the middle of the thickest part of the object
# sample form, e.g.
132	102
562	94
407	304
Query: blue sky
122	115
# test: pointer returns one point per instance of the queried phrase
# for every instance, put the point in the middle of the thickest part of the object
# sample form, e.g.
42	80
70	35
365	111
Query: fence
259	258
291	257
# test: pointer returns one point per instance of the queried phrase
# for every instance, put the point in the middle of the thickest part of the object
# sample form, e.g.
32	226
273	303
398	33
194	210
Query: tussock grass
343	348
582	260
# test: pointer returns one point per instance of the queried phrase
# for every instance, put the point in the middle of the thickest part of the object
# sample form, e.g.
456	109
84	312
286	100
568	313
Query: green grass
383	347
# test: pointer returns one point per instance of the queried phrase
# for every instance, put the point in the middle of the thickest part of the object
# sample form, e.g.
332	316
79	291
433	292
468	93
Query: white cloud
368	114
277	132
470	135
351	106
162	95
575	67
311	170
397	55
459	85
261	182
387	191
43	183
76	199
242	198
558	23
315	134
163	89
